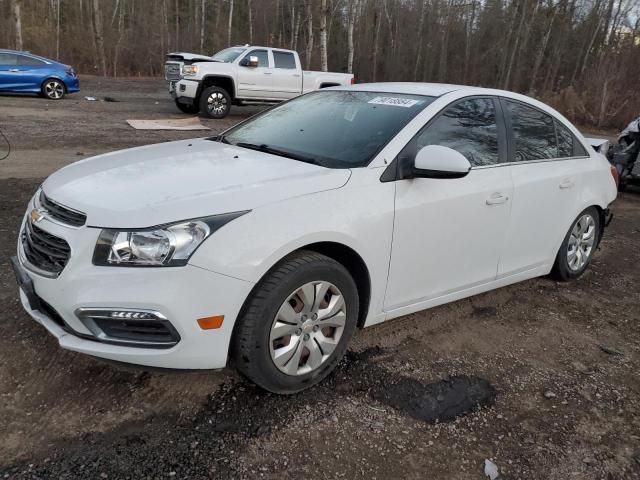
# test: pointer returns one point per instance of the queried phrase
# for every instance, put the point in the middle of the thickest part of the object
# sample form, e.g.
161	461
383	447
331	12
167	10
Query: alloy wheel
581	242
54	89
307	328
216	103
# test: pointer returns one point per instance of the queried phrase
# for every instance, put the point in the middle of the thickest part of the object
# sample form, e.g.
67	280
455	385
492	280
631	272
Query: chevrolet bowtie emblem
36	215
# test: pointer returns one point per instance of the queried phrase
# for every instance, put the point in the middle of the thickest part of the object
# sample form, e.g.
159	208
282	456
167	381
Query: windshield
332	128
228	55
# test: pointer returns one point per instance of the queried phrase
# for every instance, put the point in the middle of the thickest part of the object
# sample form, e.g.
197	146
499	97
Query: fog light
130	327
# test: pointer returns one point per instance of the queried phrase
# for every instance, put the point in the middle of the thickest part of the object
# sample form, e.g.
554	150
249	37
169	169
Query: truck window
284	60
263	57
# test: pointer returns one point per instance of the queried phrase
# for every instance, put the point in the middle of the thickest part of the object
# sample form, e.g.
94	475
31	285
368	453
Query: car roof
413	88
22	52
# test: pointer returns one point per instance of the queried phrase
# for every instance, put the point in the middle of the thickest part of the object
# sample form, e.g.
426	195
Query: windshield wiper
276	151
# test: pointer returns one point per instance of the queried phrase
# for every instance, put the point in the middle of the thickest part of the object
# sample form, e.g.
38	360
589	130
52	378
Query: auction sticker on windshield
395	101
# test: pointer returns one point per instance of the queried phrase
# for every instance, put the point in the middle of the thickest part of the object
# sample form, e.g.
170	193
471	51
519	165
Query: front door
449	233
255	82
9	74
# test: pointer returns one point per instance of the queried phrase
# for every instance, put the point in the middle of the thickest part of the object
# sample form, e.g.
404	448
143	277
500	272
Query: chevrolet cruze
270	244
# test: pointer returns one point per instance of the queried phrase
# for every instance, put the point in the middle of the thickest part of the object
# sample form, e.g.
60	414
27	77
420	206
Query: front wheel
578	246
53	89
294	328
186	108
215	102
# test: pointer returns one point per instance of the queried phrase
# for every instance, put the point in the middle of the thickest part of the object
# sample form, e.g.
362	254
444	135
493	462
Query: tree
17	22
99	37
230	23
323	36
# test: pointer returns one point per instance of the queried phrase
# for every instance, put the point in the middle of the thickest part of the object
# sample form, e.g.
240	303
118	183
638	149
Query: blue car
24	72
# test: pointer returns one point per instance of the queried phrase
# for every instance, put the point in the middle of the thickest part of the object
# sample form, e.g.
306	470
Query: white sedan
271	243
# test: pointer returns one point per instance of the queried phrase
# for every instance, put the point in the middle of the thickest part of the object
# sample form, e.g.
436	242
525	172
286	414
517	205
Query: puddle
441	401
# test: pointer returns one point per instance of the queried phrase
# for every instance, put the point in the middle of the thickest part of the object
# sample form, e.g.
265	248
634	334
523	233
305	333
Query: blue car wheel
53	89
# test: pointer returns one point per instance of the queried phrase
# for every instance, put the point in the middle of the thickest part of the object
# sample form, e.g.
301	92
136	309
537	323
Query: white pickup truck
242	75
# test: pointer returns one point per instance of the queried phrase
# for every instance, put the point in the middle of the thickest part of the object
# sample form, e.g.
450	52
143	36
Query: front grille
61	213
172	71
44	250
139	331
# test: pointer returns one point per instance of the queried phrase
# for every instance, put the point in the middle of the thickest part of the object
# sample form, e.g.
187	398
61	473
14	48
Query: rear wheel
215	102
53	89
578	246
186	108
295	327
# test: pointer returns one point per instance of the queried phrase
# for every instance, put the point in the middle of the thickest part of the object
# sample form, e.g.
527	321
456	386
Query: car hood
158	184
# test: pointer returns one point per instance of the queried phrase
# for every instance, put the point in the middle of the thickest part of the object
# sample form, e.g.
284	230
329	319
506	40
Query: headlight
189	69
166	245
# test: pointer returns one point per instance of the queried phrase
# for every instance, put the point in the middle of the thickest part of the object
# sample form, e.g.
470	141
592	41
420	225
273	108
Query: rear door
449	233
255	82
545	165
9	74
287	75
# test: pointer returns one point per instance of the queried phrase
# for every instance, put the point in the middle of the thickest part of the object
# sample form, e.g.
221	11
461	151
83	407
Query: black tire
223	97
561	269
186	108
53	89
250	346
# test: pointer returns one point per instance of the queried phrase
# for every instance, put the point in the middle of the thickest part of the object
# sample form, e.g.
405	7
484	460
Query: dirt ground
556	364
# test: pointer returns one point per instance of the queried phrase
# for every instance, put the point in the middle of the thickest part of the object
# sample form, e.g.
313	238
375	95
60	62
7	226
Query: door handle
14	70
296	74
268	73
497	198
566	183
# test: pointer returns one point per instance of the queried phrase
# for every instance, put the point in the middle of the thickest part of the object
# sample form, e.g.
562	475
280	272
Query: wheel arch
54	77
344	255
221	81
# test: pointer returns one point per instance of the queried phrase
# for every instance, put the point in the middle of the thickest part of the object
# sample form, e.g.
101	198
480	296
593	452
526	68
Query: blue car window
24	60
8	59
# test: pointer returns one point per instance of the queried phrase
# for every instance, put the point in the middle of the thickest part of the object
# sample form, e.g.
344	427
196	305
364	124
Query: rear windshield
334	128
228	55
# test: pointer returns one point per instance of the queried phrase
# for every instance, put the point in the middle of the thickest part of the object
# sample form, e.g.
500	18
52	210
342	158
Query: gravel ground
540	377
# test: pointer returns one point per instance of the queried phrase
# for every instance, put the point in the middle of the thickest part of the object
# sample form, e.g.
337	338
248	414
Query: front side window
334	129
284	60
24	60
8	59
468	127
228	55
263	57
534	133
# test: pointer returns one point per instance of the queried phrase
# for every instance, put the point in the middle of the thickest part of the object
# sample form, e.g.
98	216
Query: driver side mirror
251	61
436	161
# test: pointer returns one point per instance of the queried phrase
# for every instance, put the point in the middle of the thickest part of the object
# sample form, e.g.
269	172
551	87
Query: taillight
353	80
616	175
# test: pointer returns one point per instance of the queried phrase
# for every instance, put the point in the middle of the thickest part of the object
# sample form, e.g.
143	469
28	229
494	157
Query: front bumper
181	294
184	91
72	83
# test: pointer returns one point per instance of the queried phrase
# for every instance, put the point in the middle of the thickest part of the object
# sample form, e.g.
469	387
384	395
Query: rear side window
284	60
24	60
534	133
263	57
8	59
568	146
468	127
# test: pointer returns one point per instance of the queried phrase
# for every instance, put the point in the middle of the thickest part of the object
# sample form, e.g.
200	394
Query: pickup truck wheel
294	328
185	108
215	102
